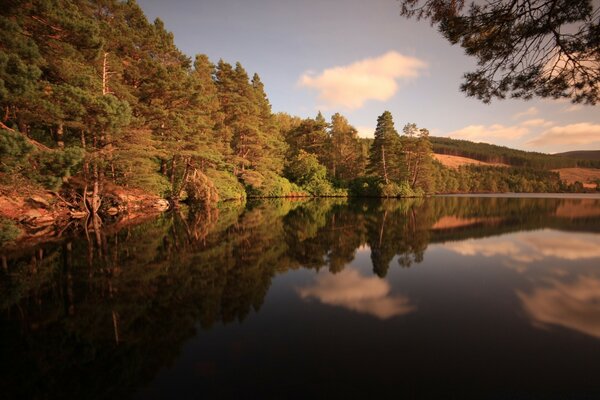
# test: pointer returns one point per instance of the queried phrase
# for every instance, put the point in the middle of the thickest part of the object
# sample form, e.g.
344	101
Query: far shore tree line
95	97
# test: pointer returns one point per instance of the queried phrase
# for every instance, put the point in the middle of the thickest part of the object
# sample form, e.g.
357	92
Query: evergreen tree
384	155
310	136
418	152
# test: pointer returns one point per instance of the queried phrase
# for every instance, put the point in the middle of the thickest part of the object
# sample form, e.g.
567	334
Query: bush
201	190
51	168
269	184
365	186
227	185
14	149
8	231
389	190
406	191
138	171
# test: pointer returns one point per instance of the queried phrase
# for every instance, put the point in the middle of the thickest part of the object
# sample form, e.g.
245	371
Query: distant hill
490	153
581	154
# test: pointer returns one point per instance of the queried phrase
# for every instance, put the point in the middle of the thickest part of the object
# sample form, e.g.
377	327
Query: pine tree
384	155
274	145
417	150
344	149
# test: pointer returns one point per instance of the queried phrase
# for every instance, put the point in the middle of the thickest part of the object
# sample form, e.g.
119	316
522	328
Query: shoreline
39	220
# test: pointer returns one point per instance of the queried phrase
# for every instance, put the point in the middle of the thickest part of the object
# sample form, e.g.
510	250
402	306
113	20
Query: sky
360	58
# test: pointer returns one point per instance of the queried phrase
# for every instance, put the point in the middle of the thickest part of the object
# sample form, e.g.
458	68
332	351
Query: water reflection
574	305
532	246
99	315
353	291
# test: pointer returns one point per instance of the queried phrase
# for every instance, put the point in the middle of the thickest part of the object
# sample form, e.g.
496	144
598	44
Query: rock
31	214
38	201
161	204
112	211
78	214
44	220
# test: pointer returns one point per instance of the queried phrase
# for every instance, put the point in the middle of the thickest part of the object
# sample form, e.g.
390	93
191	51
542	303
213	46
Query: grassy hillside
503	155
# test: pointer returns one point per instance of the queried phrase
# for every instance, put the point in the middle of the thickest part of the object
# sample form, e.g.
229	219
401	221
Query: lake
487	296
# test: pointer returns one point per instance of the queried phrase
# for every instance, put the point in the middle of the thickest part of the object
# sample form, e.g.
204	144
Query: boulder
38	201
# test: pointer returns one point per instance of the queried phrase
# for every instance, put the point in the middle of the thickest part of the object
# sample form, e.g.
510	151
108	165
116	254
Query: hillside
581	154
454	162
504	155
587	176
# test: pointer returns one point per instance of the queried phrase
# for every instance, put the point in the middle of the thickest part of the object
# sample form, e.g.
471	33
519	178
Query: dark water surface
490	297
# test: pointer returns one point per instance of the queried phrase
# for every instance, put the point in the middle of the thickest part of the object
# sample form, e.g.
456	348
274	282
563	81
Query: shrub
365	186
14	149
406	191
51	168
8	231
227	185
389	190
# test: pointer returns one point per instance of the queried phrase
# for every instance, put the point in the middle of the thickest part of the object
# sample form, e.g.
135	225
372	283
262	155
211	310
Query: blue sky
361	58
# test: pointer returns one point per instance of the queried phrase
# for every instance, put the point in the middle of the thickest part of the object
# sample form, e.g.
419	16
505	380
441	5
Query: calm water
483	296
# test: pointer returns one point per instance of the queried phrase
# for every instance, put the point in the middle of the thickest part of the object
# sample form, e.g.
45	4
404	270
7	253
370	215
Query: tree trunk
173	166
96	191
385	174
183	179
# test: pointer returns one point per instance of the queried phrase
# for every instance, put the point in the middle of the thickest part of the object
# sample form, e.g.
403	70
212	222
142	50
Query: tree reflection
104	311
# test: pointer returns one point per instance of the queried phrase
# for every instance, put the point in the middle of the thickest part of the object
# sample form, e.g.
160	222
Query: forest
97	99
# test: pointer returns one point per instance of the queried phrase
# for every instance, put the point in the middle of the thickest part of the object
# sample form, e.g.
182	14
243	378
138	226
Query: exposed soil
587	176
456	161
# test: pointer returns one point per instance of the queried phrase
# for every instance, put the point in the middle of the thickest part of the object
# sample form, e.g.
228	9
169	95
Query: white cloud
353	291
350	86
490	133
531	111
583	133
536	123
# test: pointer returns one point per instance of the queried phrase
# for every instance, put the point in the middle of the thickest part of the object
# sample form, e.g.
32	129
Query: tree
344	156
417	150
524	48
274	145
384	154
311	136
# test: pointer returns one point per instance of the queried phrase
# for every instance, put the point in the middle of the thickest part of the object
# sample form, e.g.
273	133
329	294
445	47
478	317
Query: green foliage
515	41
385	157
110	98
305	167
273	185
14	151
9	231
365	186
473	178
51	168
227	185
389	190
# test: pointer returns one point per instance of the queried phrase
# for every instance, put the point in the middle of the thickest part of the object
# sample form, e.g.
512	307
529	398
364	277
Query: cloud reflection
571	305
351	290
528	247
